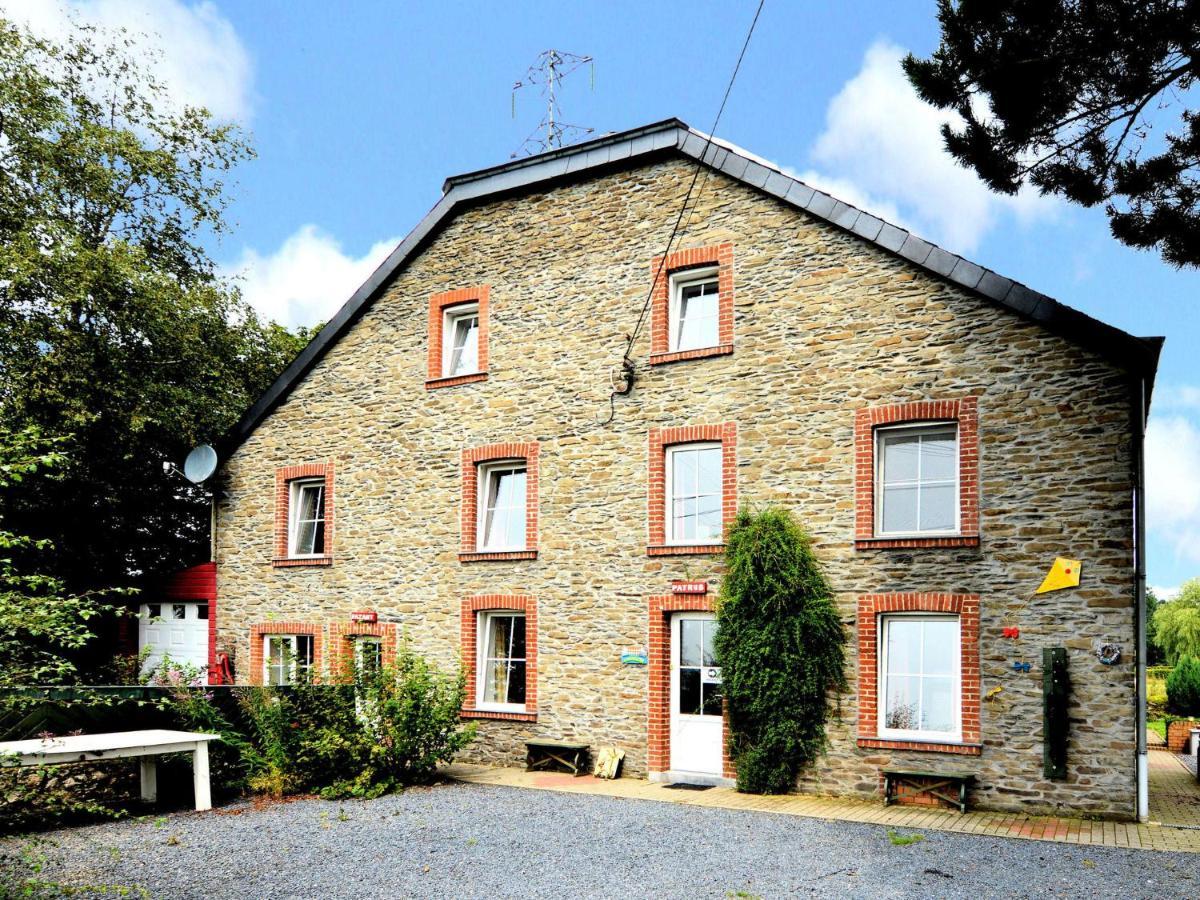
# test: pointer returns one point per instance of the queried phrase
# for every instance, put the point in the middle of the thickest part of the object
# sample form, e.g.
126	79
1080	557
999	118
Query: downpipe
1139	512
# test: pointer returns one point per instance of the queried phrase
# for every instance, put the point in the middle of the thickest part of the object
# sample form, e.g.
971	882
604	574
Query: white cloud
1173	484
884	144
1177	396
202	62
307	279
1166	593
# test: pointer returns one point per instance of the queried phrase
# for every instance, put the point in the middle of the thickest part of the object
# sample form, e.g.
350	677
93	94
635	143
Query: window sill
500	716
452	380
699	353
496	555
293	562
916	543
921	746
683	549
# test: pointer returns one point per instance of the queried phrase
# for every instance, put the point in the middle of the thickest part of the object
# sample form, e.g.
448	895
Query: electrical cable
695	176
627	366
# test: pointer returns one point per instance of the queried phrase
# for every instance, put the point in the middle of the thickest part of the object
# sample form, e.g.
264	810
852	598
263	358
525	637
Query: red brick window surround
472	607
867	422
662	440
262	630
475	461
871	610
658	723
667	273
440	305
285	479
342	638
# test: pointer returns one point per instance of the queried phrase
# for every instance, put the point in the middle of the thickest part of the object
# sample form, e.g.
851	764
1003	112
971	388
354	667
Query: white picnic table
117	745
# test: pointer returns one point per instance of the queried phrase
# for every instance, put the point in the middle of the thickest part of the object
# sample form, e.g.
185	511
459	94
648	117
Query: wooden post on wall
1056	695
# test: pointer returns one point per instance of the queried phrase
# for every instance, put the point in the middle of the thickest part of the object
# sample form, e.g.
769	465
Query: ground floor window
920	677
368	655
287	658
501	670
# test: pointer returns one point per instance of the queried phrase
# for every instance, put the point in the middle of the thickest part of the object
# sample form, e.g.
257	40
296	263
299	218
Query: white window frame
679	281
295	487
483	475
361	641
450	318
883	431
669	493
293	641
482	631
954	736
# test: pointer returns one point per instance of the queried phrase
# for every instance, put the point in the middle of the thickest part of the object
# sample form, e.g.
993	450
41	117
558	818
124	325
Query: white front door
177	629
696	722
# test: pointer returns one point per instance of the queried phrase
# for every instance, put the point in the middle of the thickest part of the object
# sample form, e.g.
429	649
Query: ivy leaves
781	650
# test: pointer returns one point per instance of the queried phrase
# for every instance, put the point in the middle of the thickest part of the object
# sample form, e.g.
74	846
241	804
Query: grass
903	840
1159	727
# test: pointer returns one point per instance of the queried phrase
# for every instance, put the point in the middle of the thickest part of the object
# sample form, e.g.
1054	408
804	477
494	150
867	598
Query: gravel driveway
463	840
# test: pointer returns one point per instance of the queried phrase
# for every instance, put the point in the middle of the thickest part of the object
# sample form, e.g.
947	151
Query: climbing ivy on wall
781	648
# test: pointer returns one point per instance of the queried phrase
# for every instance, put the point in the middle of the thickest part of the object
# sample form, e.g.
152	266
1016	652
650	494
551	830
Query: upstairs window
458	337
502	661
695	319
694	511
306	529
460	332
917	490
287	658
502	506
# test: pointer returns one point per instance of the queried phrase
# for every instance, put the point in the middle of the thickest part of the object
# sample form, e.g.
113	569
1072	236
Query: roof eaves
1138	354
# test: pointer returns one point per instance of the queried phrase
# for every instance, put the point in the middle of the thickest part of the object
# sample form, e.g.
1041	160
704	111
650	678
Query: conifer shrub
1183	687
781	647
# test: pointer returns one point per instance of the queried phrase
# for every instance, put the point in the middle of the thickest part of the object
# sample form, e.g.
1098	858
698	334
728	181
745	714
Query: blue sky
360	110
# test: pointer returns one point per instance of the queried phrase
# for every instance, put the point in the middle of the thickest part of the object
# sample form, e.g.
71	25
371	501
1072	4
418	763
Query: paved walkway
1174	809
1174	791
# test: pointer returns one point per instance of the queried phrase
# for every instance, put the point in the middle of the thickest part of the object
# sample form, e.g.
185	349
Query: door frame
658	725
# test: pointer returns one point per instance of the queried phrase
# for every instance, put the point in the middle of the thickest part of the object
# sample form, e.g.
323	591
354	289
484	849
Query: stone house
461	459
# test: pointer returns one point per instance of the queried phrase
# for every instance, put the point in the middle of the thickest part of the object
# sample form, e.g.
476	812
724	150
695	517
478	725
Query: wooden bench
119	745
542	754
949	787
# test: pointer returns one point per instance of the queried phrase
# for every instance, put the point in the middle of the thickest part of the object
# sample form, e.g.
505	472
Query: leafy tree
116	333
1183	687
1155	656
1177	623
41	625
1065	94
780	645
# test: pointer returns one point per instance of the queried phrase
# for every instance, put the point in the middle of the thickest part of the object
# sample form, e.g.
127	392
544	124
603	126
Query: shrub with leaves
1183	687
368	734
410	723
781	648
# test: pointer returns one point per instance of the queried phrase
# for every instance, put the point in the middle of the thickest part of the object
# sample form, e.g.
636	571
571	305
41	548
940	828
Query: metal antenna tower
548	71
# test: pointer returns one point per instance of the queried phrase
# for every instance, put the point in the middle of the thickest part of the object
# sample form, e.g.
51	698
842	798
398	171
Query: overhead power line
626	361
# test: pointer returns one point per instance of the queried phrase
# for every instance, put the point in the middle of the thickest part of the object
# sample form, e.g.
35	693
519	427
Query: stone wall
824	325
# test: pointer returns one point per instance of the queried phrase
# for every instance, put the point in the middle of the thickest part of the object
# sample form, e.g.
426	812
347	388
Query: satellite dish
200	464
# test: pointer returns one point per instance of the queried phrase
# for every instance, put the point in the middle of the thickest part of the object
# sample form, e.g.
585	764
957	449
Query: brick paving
1174	807
1174	791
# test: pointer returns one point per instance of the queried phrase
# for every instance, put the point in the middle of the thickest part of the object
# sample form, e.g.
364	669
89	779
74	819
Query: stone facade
825	325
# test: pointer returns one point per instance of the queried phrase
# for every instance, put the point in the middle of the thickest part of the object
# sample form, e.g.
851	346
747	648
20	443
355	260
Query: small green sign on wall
636	658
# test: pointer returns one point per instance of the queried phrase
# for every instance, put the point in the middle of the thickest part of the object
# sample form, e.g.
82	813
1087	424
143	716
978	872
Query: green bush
1183	687
371	733
781	648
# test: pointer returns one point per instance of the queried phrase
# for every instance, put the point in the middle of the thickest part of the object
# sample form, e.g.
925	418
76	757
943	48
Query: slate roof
1137	355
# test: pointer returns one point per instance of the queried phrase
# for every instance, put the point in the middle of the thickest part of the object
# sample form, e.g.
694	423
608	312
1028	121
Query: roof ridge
1138	354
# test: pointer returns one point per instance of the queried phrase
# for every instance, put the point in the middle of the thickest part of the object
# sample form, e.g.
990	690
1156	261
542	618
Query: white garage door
178	629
